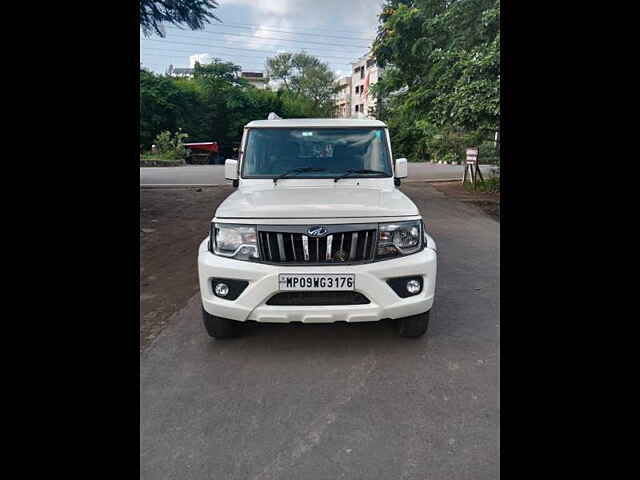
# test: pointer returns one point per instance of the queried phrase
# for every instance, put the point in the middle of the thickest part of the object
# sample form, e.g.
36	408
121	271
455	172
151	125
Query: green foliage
170	146
149	159
219	74
440	91
298	106
490	185
192	13
310	84
214	105
449	145
489	153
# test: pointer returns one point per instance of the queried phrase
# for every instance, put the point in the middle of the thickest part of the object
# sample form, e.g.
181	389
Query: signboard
471	167
472	155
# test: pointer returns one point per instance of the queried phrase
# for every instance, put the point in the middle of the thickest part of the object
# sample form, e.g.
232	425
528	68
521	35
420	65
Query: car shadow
320	339
318	330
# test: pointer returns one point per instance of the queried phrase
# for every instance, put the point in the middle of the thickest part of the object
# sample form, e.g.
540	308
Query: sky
336	31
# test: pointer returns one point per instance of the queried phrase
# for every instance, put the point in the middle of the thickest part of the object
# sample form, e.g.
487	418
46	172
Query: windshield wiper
351	171
297	170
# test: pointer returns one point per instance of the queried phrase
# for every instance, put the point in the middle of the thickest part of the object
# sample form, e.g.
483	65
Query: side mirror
400	170
231	169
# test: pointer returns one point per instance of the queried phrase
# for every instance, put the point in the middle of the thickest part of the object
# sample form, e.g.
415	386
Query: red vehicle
203	153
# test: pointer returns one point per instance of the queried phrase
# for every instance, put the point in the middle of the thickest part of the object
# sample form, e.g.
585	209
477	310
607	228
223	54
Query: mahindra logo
317	231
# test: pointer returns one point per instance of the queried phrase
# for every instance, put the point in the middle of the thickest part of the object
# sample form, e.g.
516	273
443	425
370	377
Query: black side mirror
235	183
397	182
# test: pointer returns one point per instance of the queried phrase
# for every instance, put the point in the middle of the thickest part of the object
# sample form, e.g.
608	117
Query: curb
458	179
182	185
161	164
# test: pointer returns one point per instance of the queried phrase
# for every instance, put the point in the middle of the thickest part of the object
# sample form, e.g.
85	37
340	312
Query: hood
316	202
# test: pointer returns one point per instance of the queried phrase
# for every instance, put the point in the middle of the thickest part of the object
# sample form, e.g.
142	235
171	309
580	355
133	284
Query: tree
219	71
280	67
192	13
442	80
214	105
305	76
163	106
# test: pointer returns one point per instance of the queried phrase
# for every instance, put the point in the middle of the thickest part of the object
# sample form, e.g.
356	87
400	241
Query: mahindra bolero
316	232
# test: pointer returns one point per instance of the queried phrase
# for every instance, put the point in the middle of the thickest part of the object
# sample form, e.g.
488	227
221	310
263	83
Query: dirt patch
173	222
487	202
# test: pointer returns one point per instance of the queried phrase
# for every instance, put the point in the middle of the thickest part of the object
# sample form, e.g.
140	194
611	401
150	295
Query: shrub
171	146
490	185
489	153
449	145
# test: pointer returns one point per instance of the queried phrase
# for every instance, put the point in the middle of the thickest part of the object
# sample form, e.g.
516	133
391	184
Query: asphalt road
214	174
339	401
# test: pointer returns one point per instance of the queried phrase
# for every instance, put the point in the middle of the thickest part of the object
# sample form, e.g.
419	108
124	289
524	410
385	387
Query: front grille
310	299
342	244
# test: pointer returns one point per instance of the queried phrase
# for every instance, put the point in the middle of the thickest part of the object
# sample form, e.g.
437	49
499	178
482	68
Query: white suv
317	232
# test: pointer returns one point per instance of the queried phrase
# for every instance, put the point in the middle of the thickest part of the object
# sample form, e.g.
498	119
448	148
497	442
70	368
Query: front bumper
263	284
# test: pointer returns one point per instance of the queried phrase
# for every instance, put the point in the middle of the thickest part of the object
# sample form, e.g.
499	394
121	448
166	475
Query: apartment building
365	73
343	98
355	98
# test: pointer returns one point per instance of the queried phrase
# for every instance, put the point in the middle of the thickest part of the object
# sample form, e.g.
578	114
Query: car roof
315	122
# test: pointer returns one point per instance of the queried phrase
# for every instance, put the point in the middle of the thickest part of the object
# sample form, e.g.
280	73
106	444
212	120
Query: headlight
236	241
399	238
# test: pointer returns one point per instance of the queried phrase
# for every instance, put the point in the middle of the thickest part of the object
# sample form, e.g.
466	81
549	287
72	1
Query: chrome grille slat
283	257
354	242
291	245
305	247
374	244
269	247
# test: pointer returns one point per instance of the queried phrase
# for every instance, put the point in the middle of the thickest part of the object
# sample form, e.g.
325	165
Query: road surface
214	174
339	401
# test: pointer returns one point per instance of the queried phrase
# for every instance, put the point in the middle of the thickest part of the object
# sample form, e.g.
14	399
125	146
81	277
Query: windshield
316	153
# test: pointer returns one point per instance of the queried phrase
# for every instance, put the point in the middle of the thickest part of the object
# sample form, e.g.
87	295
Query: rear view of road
214	174
339	401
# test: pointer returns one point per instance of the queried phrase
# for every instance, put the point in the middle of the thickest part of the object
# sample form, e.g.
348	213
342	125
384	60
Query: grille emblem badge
317	231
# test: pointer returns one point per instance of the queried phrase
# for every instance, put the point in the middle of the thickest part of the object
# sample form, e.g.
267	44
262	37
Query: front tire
218	327
414	326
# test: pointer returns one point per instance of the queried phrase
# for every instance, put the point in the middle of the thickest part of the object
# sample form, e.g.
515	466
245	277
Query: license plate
317	281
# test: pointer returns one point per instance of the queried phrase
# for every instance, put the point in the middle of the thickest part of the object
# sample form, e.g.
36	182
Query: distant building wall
343	98
364	74
256	79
